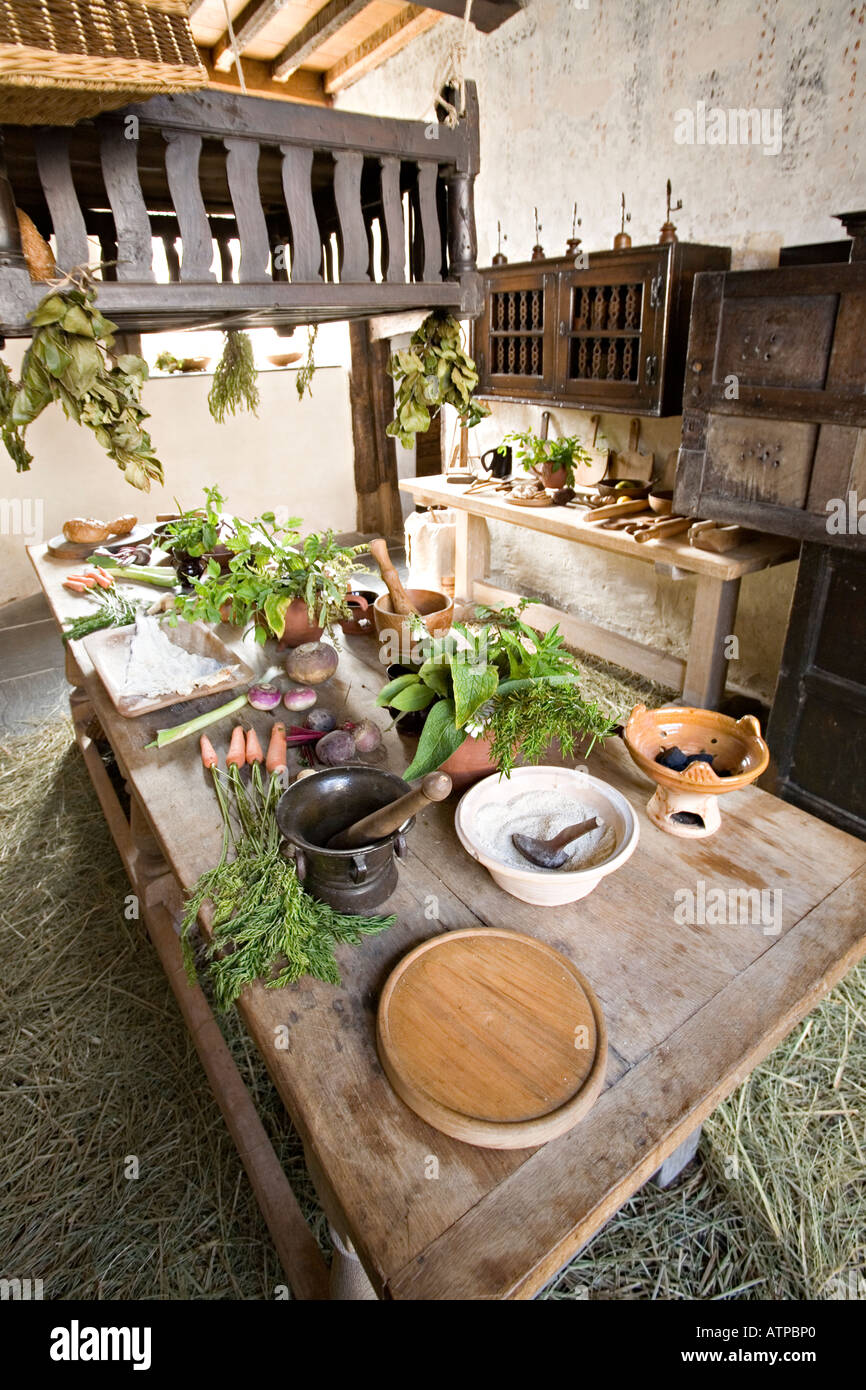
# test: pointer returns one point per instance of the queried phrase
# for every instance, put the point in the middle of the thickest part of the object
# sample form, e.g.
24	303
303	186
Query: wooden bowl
661	501
284	359
629	489
684	802
396	641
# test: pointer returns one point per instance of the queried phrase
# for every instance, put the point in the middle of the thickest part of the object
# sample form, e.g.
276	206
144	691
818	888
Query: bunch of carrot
264	926
90	579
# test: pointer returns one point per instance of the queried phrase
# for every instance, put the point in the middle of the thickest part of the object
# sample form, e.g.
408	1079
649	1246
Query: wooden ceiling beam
303	86
487	15
408	24
253	18
317	31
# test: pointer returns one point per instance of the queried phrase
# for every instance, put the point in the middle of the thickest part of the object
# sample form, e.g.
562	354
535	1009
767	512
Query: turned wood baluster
242	167
10	237
298	194
172	259
428	212
183	151
119	159
393	231
55	175
354	260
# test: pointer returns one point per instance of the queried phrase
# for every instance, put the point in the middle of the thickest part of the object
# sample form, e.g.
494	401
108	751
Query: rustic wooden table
701	677
691	1007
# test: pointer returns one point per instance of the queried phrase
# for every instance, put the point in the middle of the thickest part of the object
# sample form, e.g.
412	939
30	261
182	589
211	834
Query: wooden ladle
435	787
399	598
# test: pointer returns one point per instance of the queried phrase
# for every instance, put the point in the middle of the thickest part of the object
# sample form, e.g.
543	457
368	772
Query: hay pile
98	1067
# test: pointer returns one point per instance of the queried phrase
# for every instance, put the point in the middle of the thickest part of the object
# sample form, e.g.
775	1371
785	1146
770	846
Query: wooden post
372	399
712	622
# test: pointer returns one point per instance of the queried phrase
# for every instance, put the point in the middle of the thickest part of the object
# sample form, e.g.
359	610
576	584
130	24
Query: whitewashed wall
579	102
296	455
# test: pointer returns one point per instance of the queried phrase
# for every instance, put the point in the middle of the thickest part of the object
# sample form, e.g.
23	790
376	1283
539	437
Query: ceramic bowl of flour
541	801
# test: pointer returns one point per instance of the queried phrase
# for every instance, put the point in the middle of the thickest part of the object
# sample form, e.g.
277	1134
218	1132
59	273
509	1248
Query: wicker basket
62	60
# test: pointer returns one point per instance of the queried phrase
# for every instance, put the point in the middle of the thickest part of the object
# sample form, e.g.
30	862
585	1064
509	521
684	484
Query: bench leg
676	1162
471	554
712	621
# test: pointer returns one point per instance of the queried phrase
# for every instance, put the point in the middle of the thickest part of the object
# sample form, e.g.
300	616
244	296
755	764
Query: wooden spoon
551	854
435	787
400	599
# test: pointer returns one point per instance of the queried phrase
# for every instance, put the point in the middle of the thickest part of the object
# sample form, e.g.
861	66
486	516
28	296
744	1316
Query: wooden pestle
435	787
399	598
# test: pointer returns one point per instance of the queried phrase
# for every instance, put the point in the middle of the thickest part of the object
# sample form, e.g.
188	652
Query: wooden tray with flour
105	649
492	1037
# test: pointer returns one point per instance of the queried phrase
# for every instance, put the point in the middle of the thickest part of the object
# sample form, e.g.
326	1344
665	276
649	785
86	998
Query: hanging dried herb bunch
434	371
68	361
234	384
304	377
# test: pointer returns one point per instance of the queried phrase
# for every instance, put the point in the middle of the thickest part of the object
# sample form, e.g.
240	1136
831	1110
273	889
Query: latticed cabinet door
610	331
514	339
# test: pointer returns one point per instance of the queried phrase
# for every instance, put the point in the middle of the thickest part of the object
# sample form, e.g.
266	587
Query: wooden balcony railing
265	212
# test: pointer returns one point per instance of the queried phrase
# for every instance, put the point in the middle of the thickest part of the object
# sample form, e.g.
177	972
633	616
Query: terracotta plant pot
469	764
298	627
361	621
550	476
396	642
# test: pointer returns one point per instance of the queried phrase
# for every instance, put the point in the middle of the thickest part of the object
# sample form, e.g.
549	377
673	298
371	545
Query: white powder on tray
149	665
542	815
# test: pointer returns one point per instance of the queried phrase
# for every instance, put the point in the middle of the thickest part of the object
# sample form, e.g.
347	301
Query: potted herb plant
196	536
552	461
285	586
491	691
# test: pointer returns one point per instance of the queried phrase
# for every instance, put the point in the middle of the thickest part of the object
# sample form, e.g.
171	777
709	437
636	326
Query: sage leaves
434	371
68	361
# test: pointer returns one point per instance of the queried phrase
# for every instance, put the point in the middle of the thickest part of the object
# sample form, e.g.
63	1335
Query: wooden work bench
690	1008
701	677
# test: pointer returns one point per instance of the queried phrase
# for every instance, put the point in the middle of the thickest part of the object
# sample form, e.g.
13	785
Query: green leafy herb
527	720
234	384
113	610
304	377
264	925
533	453
68	361
434	371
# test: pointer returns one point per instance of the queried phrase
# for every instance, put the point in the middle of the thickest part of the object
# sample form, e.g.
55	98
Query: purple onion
264	696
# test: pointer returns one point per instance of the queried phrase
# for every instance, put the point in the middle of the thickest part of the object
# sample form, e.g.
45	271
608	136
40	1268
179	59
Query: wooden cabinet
774	422
817	730
610	336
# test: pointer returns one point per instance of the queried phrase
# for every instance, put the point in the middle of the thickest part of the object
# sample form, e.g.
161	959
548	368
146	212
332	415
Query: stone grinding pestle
552	854
399	598
435	787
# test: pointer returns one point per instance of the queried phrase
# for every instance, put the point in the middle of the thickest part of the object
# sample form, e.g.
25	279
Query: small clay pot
394	633
550	476
469	764
361	621
298	627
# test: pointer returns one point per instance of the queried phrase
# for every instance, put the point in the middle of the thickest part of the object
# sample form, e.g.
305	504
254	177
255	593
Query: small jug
501	464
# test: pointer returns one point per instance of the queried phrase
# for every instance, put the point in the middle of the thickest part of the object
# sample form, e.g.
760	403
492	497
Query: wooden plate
105	648
541	500
62	549
492	1037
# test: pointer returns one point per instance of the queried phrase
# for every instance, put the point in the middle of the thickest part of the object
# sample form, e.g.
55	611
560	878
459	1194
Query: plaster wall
582	100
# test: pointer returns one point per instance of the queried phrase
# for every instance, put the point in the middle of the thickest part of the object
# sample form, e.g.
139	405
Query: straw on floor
121	1181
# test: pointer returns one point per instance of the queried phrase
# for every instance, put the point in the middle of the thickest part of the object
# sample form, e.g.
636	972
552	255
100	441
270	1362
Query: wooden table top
690	1007
571	523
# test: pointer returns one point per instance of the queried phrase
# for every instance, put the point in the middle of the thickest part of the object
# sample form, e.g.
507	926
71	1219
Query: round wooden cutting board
492	1037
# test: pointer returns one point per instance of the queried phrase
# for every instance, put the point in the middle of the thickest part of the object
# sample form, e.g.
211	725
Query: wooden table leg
712	622
471	554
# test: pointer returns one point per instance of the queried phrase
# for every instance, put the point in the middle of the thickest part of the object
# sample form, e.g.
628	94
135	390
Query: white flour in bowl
541	814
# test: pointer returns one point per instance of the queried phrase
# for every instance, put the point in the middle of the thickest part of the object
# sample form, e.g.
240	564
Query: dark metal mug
501	465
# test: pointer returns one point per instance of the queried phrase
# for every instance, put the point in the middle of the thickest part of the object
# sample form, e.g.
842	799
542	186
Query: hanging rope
451	74
234	47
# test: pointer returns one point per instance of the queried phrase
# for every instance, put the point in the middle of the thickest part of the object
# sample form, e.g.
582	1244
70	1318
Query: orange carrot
77	586
237	753
208	753
100	577
276	760
254	748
